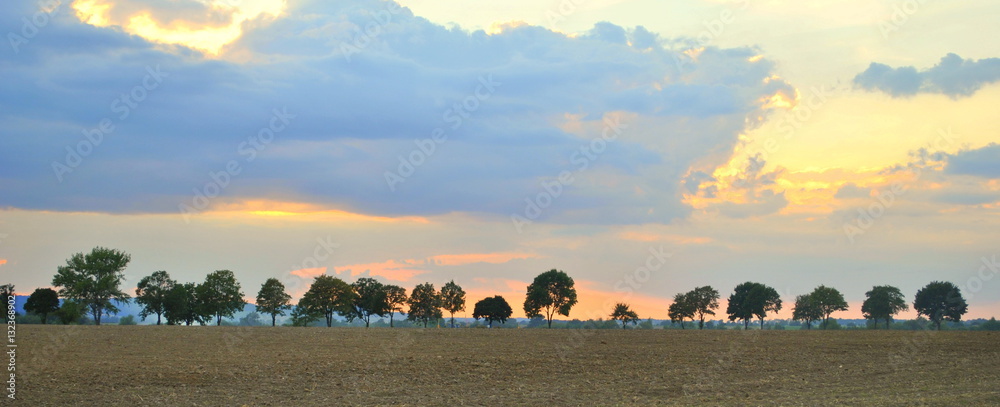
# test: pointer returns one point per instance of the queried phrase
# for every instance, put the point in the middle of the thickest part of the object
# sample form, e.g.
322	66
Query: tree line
90	283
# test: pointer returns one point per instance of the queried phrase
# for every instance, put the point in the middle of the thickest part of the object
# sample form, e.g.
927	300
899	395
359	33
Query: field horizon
262	366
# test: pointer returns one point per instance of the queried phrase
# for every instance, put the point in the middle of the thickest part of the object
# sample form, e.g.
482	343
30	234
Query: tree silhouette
272	299
220	296
492	309
425	304
882	302
704	301
827	300
452	299
396	297
806	310
624	314
181	305
327	295
151	294
42	302
681	309
551	292
940	301
93	280
751	300
369	300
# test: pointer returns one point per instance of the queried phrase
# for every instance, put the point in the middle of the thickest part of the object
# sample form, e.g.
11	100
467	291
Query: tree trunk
218	320
157	318
762	324
274	317
887	323
746	324
390	319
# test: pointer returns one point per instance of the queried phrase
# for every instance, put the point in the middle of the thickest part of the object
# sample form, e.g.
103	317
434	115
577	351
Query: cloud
403	270
952	76
982	162
355	116
472	258
3	261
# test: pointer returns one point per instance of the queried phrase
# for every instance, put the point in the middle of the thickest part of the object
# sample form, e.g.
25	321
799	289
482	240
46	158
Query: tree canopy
492	309
272	299
751	300
93	280
882	302
42	302
326	296
550	293
181	305
395	297
806	310
681	309
220	296
151	294
827	300
624	314
452	299
425	304
369	300
939	301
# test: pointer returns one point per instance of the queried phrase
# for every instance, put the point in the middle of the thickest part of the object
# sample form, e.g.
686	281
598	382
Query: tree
751	300
492	309
181	305
127	320
940	301
827	300
93	280
452	299
806	310
369	299
425	304
623	313
680	310
220	296
272	299
303	316
69	312
552	292
42	302
327	295
883	302
704	301
151	294
6	291
395	297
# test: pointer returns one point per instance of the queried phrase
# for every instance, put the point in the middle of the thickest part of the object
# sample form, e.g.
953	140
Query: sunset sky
644	147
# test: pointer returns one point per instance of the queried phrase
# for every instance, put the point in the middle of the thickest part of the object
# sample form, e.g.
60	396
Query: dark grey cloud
952	76
357	112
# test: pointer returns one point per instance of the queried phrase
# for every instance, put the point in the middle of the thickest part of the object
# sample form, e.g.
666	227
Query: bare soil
284	366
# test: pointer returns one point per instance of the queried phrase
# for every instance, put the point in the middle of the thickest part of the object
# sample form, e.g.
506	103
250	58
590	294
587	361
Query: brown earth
229	366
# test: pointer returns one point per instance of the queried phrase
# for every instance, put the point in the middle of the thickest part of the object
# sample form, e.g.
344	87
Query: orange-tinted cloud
309	272
3	261
403	270
298	211
656	237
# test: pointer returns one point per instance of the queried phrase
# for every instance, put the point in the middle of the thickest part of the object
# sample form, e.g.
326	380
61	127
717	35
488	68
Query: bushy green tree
882	302
127	320
681	309
93	280
828	300
940	301
751	300
151	294
181	305
326	296
42	302
550	293
452	299
272	299
704	301
624	314
395	297
806	310
70	311
425	304
370	299
220	296
492	309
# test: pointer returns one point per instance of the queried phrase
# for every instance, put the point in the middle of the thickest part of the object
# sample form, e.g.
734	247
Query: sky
643	147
